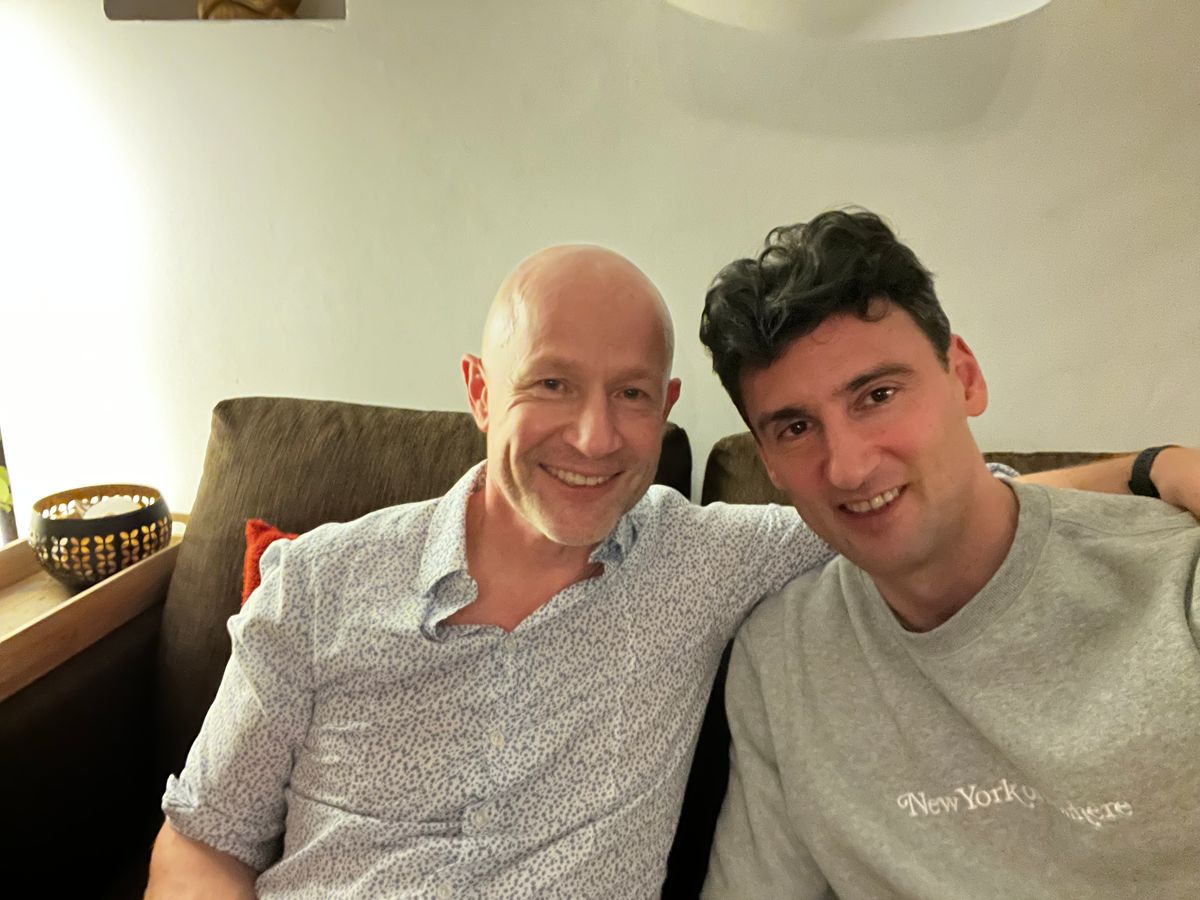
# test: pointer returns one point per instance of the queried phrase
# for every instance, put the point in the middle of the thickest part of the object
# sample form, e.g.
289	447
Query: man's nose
594	433
851	456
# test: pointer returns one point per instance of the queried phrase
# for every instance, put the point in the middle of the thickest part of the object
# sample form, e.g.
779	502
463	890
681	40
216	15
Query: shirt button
482	817
496	738
444	892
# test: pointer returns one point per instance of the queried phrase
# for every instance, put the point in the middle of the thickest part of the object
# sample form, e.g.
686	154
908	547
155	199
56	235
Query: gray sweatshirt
1044	742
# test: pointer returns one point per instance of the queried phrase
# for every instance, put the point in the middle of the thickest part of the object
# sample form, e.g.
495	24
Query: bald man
495	693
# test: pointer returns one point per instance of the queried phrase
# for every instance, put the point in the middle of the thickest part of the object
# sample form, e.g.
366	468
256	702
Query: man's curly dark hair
836	264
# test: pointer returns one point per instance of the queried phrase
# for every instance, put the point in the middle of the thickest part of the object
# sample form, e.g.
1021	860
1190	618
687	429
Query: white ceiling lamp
862	20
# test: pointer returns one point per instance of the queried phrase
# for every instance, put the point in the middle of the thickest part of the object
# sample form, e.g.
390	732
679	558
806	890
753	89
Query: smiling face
863	428
573	391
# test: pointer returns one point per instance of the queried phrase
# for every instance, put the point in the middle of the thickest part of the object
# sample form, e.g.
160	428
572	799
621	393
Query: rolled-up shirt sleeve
230	794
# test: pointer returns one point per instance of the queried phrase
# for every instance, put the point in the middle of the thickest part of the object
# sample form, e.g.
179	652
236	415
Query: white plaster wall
190	211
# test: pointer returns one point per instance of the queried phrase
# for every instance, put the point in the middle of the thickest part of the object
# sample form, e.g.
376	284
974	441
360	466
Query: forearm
226	810
1175	473
1107	476
181	868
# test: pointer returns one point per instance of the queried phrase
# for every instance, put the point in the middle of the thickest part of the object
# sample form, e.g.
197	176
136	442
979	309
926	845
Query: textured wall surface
191	211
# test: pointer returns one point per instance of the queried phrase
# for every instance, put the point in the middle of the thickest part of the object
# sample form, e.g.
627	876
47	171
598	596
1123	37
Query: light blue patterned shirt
398	756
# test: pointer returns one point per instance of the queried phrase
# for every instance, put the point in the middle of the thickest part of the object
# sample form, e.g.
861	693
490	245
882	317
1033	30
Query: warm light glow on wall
76	385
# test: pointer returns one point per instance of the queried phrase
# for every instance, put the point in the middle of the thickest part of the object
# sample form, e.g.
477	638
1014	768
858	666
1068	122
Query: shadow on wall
783	80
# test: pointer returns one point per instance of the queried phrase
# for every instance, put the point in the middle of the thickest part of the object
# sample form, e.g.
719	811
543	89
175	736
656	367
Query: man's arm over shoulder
772	543
230	795
756	852
1175	473
182	868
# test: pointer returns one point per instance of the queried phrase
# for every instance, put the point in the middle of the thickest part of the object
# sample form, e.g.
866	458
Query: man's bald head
566	279
573	391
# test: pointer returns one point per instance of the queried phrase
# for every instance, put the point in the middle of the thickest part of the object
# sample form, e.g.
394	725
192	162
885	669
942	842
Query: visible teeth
576	479
876	502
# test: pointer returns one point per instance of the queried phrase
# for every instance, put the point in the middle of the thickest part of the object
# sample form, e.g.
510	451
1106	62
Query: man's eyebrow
546	363
562	364
884	371
638	373
788	413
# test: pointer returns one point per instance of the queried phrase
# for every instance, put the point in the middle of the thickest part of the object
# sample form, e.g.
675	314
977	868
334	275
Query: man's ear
477	392
673	387
965	368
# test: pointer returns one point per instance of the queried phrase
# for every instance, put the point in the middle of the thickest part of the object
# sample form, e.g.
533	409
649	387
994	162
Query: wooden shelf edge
16	562
54	637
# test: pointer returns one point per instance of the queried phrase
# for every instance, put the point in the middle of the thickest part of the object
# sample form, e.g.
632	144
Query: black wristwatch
1140	482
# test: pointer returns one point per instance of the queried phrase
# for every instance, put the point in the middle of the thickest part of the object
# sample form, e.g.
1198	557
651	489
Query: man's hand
183	868
1176	474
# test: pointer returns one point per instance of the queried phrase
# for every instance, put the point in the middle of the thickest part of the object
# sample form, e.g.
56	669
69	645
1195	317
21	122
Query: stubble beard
550	519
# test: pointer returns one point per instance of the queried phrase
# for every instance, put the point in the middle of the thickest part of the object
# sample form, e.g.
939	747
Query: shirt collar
614	548
446	541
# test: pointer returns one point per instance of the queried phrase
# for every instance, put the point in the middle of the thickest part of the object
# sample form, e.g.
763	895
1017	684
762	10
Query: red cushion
259	536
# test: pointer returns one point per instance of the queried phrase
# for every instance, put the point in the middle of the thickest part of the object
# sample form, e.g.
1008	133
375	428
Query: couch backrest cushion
298	464
735	474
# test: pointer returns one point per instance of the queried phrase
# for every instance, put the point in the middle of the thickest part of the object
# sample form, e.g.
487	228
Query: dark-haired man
995	690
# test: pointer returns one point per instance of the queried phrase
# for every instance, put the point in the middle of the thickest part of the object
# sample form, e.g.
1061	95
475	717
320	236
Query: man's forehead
579	293
845	339
839	355
543	361
580	302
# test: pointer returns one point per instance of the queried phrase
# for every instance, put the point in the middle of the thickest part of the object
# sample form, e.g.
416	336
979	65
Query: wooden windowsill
43	624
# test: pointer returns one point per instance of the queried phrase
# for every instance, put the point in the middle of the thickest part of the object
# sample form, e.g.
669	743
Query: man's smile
579	479
874	503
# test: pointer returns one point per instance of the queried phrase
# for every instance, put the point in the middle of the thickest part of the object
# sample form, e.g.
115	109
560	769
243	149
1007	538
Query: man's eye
882	394
633	393
551	384
795	429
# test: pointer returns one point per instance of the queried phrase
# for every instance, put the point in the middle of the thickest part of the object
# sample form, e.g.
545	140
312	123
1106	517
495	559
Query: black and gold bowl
80	552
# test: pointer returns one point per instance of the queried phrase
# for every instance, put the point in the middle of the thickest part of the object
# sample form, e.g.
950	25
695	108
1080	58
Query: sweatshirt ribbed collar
1000	592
